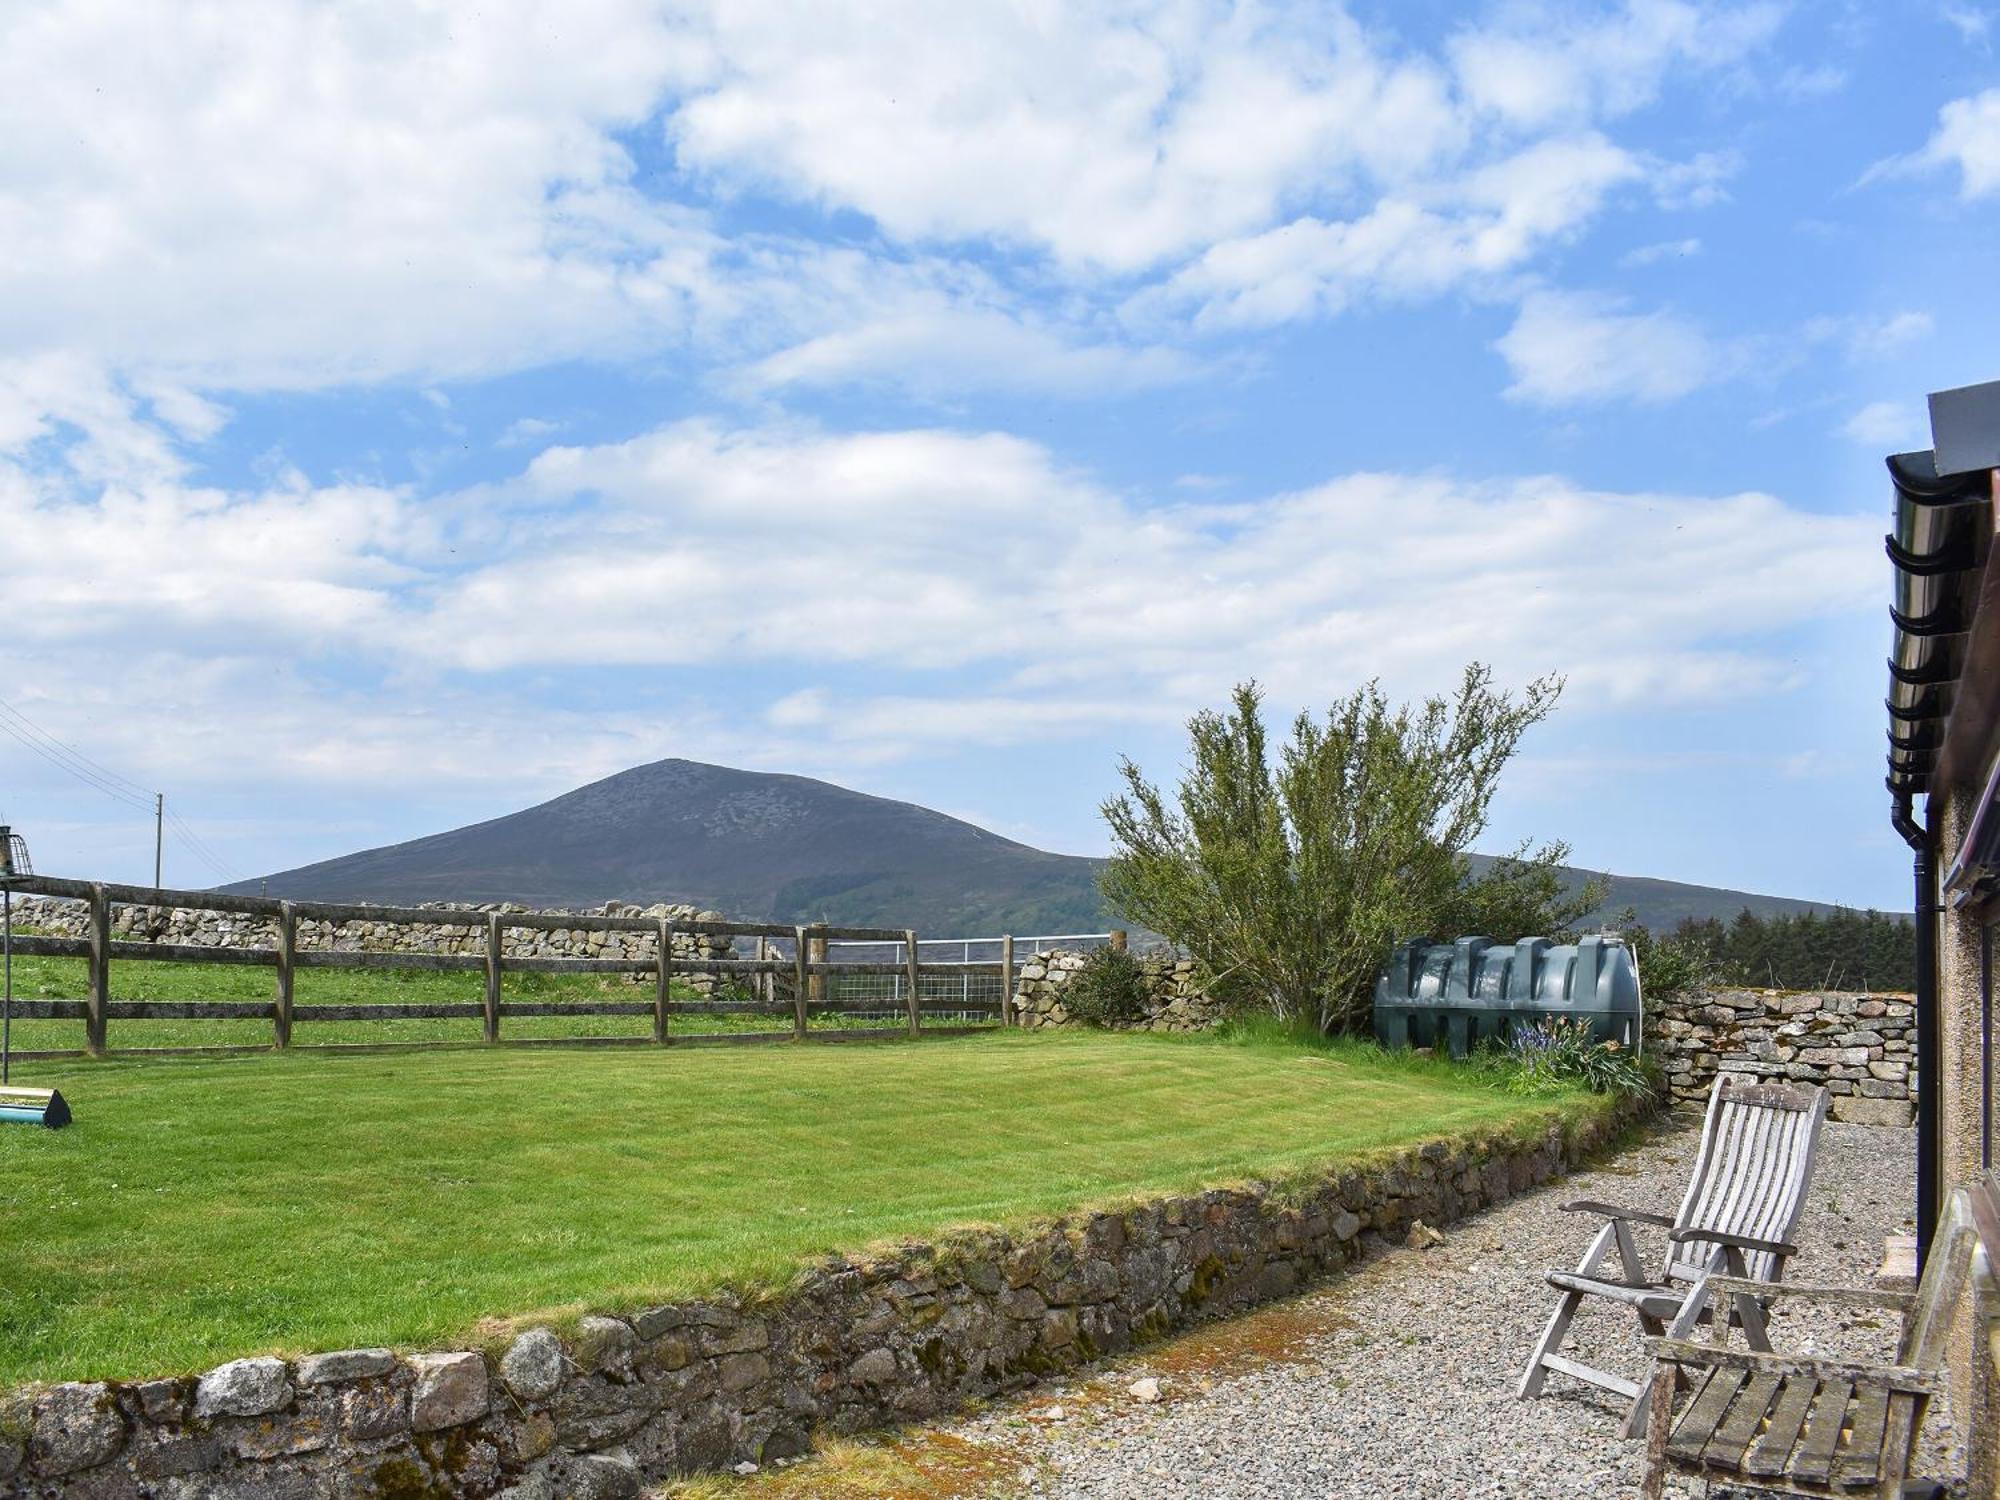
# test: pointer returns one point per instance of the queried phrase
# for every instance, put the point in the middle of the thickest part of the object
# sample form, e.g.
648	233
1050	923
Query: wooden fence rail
809	969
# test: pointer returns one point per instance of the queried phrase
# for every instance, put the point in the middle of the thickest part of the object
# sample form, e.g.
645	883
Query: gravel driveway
1397	1380
1406	1388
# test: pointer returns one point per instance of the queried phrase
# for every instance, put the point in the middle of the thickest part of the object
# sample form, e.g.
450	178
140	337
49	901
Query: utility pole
159	832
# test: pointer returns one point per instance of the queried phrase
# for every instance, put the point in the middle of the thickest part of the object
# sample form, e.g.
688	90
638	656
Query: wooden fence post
817	982
492	1016
663	981
1007	980
288	952
1118	939
801	956
910	962
95	1008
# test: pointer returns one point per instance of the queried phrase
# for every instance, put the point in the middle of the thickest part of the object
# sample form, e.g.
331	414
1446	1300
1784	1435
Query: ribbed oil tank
1456	995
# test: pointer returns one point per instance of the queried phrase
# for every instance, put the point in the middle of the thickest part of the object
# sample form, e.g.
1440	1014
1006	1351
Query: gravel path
1397	1380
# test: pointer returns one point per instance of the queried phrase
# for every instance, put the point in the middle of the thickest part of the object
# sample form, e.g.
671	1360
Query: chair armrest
1613	1211
1724	1237
1908	1378
1727	1286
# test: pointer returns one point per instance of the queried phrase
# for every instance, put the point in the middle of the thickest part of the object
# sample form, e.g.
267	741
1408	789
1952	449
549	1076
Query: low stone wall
207	929
1861	1047
1175	998
623	1402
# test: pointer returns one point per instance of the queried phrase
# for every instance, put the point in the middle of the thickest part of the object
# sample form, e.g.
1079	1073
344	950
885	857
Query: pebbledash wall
623	1402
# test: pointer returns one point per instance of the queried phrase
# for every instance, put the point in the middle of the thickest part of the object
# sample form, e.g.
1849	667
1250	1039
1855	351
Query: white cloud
274	195
524	430
1968	138
1697	182
1547	69
1053	604
1491	221
1646	255
1106	139
1887	424
1575	348
1818	82
1973	25
1871	336
271	194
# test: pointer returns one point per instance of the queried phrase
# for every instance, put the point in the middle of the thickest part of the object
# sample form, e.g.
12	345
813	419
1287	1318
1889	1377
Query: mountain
758	847
763	847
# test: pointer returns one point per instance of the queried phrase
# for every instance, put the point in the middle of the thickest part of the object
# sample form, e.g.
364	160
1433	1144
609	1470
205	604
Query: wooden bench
1810	1425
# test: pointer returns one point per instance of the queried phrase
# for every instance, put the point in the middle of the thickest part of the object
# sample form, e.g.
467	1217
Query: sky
410	412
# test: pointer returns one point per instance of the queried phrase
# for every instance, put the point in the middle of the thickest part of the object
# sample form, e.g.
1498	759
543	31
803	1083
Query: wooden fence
807	969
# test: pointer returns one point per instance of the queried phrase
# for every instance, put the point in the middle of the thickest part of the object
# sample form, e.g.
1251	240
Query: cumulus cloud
921	557
1542	67
1887	424
1577	348
1491	221
1968	137
1967	140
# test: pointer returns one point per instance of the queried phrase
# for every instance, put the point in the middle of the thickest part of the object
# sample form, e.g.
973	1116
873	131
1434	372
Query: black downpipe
1930	1118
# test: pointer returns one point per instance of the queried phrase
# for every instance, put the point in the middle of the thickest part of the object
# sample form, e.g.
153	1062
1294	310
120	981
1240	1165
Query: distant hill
1661	905
764	847
758	847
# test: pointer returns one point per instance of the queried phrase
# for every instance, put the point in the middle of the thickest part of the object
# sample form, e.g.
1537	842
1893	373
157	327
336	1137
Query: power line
20	728
66	757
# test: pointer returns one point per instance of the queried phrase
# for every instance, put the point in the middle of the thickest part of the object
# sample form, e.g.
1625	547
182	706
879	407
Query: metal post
1929	1125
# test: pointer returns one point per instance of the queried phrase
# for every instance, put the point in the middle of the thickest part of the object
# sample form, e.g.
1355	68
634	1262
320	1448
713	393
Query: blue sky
407	414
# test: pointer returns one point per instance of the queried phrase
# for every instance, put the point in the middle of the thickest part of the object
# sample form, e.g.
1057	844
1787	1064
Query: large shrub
1288	878
1109	990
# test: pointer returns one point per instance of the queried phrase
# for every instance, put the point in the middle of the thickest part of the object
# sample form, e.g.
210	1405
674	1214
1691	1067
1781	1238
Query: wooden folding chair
1821	1426
1742	1204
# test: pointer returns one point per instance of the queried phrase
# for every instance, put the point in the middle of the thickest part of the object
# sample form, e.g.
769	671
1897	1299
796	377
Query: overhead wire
121	789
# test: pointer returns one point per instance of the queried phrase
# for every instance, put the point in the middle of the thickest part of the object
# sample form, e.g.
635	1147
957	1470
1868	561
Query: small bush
1109	990
1550	1056
1670	968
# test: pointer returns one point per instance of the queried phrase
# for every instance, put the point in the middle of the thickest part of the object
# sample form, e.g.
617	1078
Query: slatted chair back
1971	1221
1750	1176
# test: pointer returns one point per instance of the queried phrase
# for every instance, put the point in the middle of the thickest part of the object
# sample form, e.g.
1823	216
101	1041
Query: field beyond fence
346	975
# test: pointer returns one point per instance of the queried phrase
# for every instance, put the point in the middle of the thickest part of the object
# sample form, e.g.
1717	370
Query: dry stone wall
1861	1047
1175	1000
207	929
619	1403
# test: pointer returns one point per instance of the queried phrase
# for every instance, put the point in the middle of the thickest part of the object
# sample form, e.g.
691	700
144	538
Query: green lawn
132	979
201	1209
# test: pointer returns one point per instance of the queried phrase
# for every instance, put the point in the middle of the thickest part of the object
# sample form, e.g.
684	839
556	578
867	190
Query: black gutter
1930	1117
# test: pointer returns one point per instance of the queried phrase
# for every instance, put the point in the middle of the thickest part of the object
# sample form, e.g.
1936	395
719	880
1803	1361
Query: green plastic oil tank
1457	995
